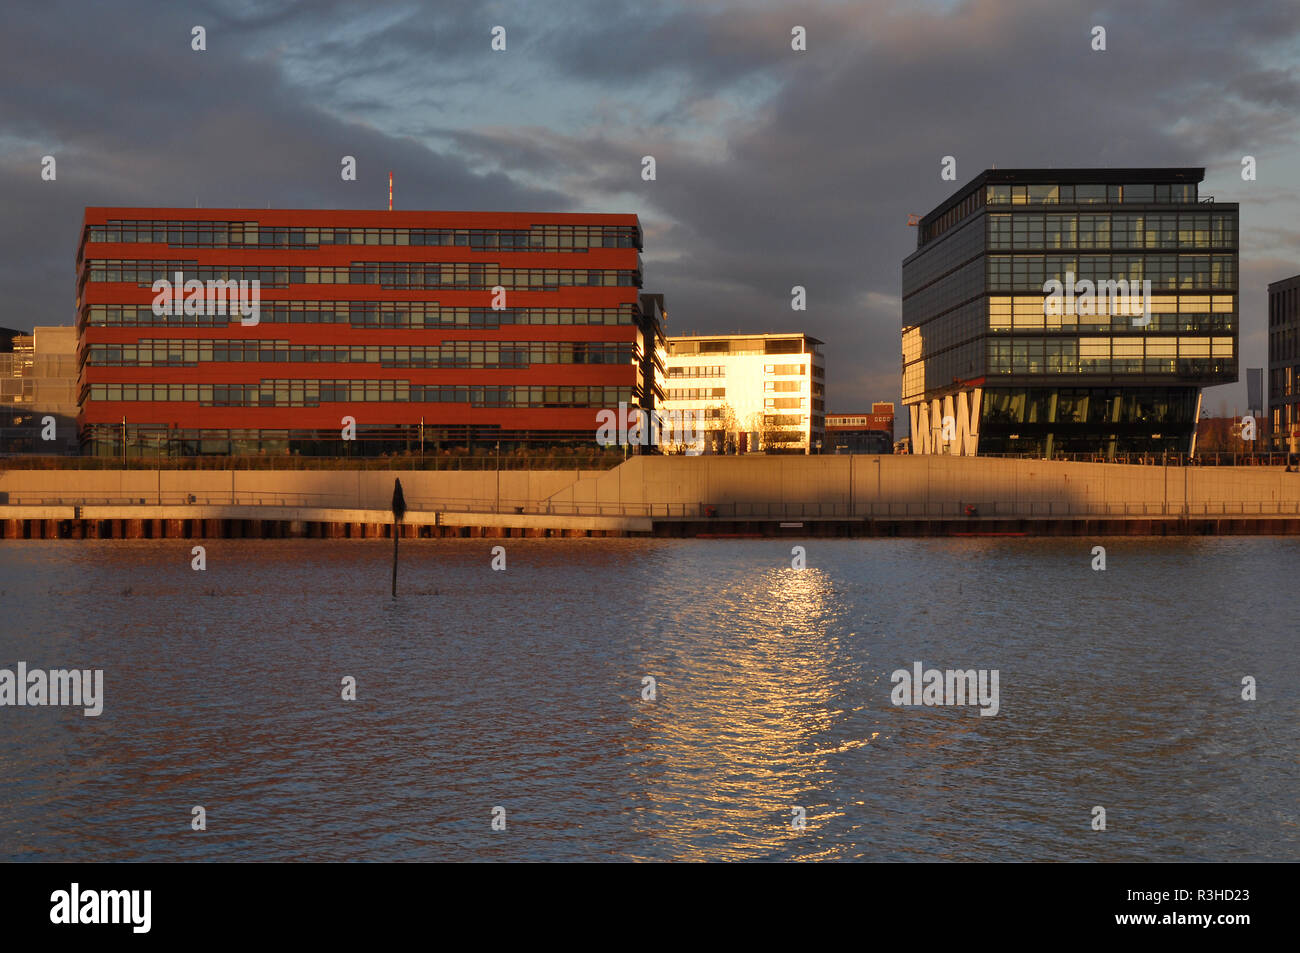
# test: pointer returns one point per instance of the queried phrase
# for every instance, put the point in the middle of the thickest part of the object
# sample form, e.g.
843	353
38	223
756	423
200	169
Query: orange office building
438	329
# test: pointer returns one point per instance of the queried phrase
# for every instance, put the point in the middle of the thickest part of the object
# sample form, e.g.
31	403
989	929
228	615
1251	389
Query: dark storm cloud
775	168
133	116
817	190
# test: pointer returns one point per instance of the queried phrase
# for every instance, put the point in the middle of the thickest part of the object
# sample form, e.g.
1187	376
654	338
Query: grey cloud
811	183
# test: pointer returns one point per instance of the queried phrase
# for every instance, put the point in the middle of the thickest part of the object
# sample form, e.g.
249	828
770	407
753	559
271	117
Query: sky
774	167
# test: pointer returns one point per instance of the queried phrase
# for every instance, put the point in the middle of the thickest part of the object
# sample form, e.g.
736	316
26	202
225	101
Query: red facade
384	317
880	418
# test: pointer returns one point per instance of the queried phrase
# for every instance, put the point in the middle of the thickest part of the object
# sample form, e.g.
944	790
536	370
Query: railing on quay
1201	459
565	460
482	460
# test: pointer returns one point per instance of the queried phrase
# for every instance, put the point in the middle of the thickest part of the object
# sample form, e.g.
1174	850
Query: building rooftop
1152	175
137	213
756	336
1284	284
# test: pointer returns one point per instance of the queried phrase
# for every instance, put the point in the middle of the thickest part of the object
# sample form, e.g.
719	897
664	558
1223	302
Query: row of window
1160	304
931	340
690	347
312	393
365	314
1179	193
1167	323
949	218
719	370
1057	194
1197	314
1282	383
1189	230
575	238
782	386
392	274
189	352
1284	345
1165	272
699	370
1076	405
1132	354
1283	306
1168	313
696	393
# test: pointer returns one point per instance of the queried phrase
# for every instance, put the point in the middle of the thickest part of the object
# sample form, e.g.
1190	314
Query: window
1060	231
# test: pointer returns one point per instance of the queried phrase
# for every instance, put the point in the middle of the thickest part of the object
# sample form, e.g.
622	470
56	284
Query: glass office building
1069	311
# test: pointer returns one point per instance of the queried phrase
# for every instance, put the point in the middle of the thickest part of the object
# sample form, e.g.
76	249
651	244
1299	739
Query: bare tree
756	426
728	424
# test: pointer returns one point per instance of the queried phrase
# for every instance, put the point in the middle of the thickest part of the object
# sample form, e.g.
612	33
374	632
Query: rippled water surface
522	689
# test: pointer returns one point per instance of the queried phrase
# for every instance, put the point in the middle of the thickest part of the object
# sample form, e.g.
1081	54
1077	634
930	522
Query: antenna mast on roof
390	191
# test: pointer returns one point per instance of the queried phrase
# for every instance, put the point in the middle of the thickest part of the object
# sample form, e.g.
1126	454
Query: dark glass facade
1284	363
1111	359
1083	420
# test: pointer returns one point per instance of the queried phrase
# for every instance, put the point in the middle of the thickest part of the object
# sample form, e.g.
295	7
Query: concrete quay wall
675	490
363	489
867	485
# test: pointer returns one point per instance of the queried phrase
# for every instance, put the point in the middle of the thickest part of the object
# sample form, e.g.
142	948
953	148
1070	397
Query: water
522	689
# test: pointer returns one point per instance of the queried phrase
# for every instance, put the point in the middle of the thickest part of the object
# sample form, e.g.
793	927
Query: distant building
415	328
862	432
1284	363
1026	323
38	391
750	391
1224	435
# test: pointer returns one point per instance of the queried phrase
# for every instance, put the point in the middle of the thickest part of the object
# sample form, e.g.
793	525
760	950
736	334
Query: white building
750	391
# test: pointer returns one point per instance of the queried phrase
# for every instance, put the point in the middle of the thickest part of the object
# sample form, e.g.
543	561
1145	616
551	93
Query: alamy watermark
673	429
1118	298
82	688
950	687
76	906
219	297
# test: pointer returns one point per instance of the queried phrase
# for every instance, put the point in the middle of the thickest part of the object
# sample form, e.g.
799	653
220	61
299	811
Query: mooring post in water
399	510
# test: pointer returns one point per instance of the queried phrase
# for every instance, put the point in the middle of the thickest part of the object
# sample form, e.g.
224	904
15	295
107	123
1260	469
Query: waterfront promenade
668	495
